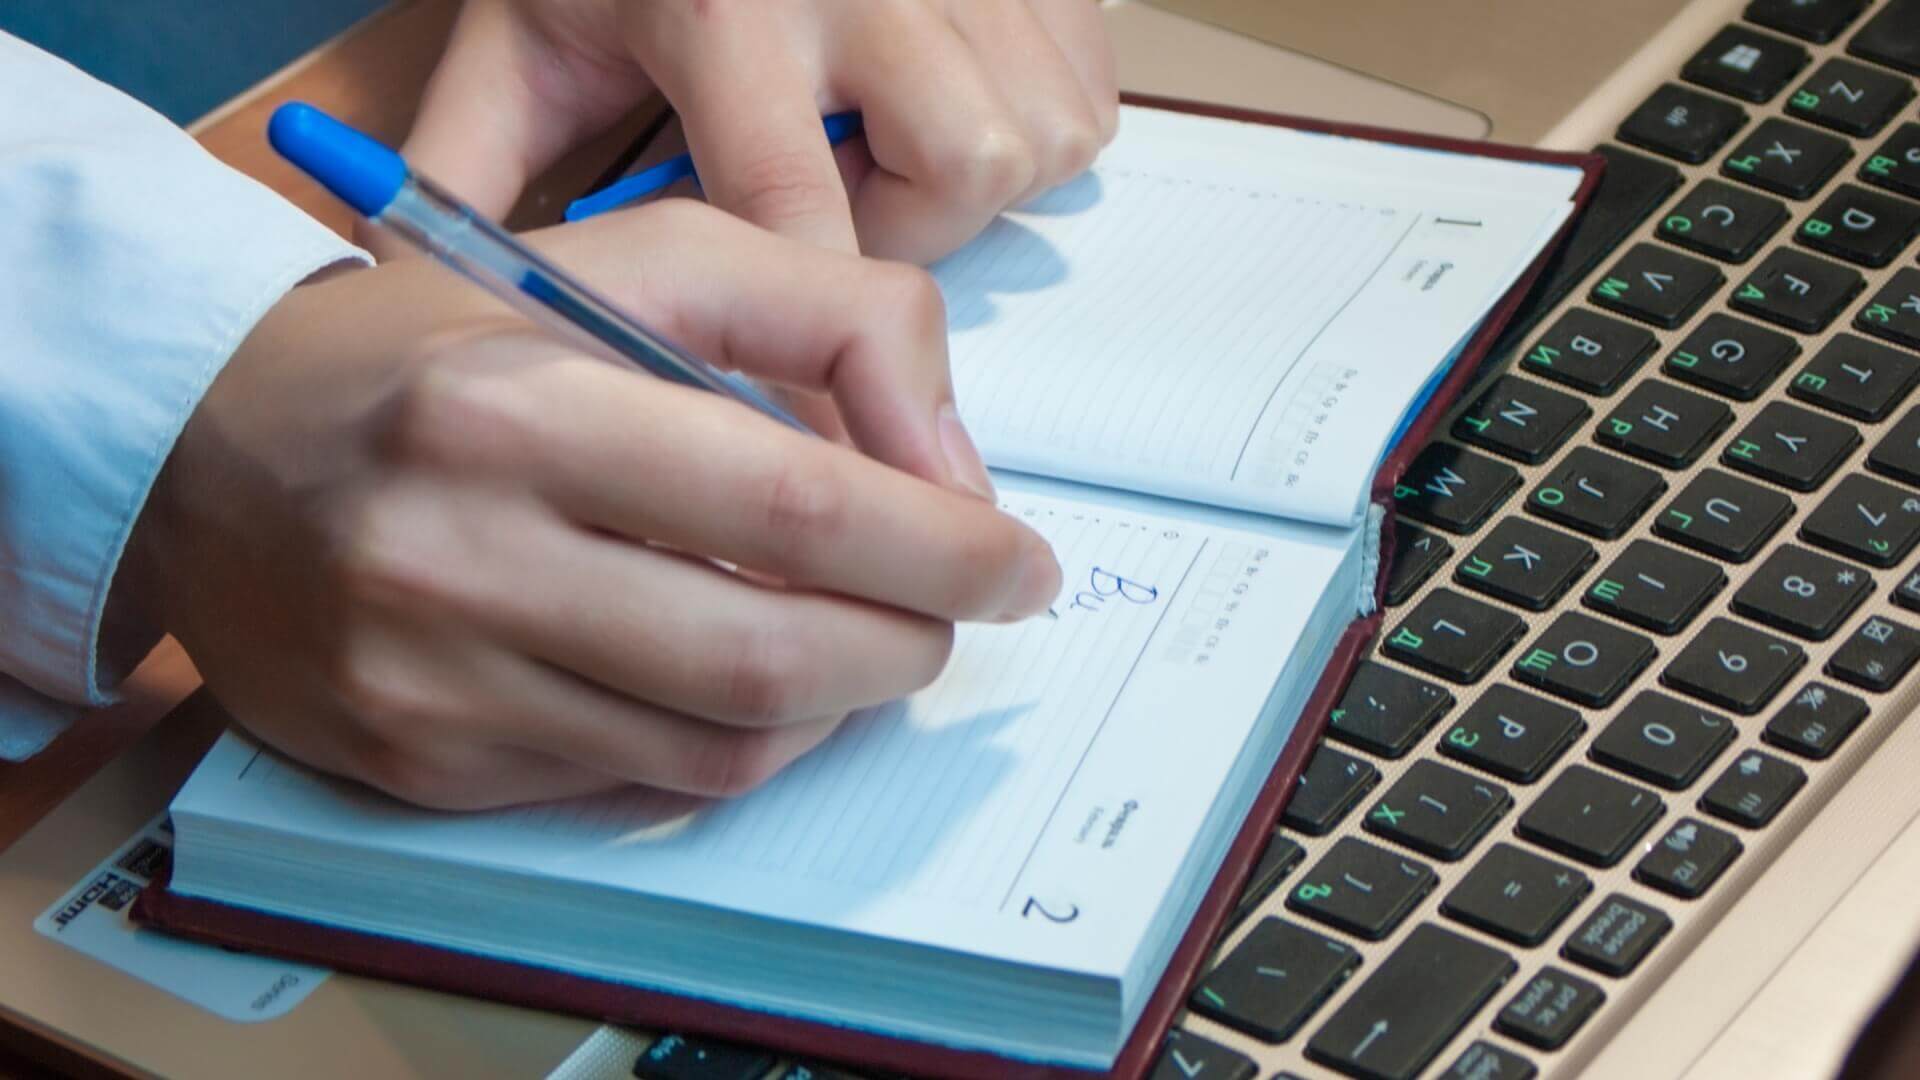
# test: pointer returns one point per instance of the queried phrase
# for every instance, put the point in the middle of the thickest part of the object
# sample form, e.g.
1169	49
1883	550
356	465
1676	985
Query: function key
1385	710
1514	894
1724	516
1520	419
1877	654
1655	587
1657	285
1485	1061
1856	377
1274	979
1818	21
1417	553
1682	123
1661	423
1865	519
1437	811
1453	488
1188	1056
1689	859
1898	452
1804	593
1549	1009
1329	787
1589	816
1850	98
1662	740
1723	221
1512	734
1595	493
1891	37
1734	666
1791	446
1786	159
1896	165
1590	351
1745	64
1815	721
1617	935
1797	290
681	1057
1453	636
1907	593
1525	563
1406	1012
1276	862
1894	311
1584	660
1752	790
1362	889
1863	227
1732	356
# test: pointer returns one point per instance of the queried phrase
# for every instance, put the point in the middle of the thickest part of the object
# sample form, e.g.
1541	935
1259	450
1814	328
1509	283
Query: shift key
1408	1010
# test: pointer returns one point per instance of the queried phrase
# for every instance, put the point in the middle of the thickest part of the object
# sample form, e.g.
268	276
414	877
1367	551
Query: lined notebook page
1034	802
1232	313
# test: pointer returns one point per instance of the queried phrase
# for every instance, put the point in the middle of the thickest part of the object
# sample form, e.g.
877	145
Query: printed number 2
1033	905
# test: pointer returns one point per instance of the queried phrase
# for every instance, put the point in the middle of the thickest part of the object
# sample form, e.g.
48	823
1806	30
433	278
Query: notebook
1189	369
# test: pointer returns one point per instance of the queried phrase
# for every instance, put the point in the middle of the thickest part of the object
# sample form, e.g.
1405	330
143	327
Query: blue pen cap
362	172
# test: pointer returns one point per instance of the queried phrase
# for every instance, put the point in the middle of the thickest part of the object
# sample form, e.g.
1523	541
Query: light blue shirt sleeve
134	263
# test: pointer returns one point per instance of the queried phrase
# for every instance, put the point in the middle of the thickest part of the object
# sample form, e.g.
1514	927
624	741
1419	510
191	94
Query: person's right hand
409	539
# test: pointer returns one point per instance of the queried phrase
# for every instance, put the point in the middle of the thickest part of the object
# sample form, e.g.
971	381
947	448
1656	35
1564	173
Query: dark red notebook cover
541	988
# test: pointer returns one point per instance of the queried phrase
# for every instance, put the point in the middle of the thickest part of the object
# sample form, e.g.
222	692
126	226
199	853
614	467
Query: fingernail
1039	586
963	458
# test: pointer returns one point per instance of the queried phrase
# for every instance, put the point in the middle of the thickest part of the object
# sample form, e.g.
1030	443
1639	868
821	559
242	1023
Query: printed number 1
1033	905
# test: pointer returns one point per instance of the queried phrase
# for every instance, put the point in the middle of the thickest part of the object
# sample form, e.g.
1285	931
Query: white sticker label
92	917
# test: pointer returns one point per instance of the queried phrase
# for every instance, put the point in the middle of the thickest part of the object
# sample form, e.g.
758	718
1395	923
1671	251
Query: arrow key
1485	1061
1406	1012
1190	1057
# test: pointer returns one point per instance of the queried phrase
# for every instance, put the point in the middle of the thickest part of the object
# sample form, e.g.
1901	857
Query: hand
969	105
408	539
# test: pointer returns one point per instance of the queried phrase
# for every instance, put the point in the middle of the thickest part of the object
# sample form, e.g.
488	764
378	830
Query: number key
1802	592
1662	740
1734	666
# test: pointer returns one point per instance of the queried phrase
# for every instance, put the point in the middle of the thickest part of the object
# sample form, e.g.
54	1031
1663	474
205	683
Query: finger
1080	31
1034	77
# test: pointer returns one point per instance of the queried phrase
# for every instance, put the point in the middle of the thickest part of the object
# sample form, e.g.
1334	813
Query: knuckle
994	170
915	298
779	186
804	509
734	763
447	415
382	556
767	676
1067	149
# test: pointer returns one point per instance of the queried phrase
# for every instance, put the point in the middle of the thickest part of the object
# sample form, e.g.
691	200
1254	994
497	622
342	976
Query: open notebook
1186	368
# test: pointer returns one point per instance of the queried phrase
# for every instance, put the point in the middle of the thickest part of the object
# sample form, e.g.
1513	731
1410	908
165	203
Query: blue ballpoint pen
839	127
376	182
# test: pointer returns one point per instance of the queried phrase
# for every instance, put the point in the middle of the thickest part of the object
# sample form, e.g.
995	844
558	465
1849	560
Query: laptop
1671	536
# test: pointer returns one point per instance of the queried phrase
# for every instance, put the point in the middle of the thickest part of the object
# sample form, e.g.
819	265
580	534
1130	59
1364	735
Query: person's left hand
969	105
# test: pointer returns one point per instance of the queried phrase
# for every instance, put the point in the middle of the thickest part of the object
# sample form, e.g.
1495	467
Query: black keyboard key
1595	493
1724	516
1514	894
1723	221
1850	98
1897	454
1891	37
1485	1061
1405	1013
1454	488
1786	159
1791	446
1688	859
1454	636
1617	935
1876	655
1657	285
1276	862
1584	659
1856	377
1860	226
812	1070
1732	356
1682	123
1797	290
1385	710
1520	419
1590	351
1907	593
1330	786
1894	311
1549	1009
1896	165
1656	587
1189	1057
1734	666
1437	811
1512	734
1802	592
1818	21
1865	519
1274	980
1662	423
1662	740
1590	816
1417	554
1525	563
1751	791
1815	721
1362	889
1745	64
683	1057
